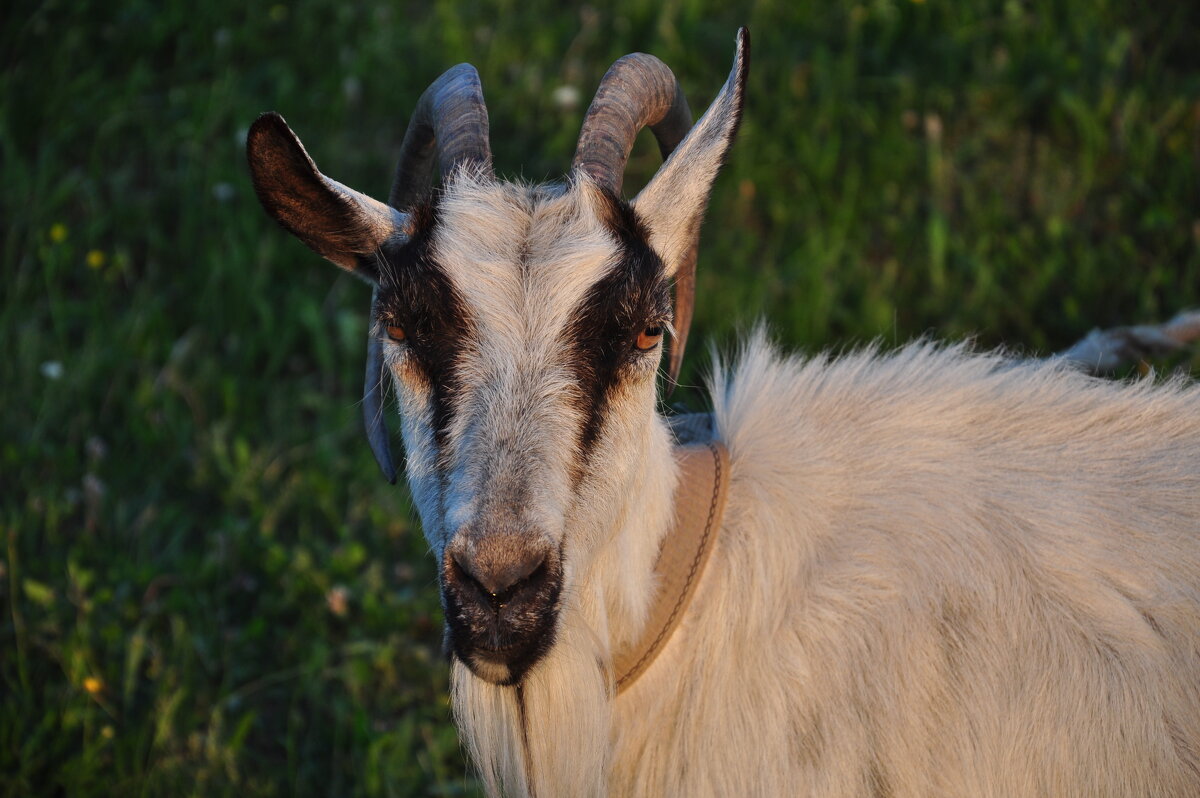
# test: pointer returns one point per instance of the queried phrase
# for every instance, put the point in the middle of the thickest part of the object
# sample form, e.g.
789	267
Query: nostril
503	596
498	575
461	573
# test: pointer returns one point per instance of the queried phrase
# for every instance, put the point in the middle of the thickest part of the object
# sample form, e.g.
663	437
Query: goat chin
550	735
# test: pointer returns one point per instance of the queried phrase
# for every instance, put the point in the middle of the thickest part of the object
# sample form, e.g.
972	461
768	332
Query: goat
939	573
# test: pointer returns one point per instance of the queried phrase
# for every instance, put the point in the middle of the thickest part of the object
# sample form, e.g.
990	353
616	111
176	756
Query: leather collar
699	505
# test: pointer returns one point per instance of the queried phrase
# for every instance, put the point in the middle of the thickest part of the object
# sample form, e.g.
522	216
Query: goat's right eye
649	338
395	332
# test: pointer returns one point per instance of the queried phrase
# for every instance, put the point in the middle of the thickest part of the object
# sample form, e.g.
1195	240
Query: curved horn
638	90
451	122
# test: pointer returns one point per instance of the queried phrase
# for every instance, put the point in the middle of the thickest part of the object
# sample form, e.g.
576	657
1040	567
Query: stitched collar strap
699	504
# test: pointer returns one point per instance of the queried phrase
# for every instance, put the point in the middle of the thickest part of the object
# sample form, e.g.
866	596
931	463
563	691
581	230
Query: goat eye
395	332
649	338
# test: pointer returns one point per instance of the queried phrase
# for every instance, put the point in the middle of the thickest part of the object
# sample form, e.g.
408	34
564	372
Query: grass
206	587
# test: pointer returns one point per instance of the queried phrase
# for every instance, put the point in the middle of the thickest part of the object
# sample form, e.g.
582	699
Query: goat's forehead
521	251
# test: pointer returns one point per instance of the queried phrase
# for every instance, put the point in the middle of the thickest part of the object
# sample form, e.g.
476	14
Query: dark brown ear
336	222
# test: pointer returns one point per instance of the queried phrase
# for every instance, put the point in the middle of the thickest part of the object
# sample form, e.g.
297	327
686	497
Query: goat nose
497	563
500	591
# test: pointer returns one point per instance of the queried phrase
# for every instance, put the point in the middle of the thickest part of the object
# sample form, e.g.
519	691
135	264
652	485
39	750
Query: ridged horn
637	91
450	123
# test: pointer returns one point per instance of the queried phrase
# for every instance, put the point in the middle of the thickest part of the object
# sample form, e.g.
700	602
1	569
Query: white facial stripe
522	259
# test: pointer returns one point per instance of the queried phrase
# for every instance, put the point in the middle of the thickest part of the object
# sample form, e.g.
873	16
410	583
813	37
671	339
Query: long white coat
939	575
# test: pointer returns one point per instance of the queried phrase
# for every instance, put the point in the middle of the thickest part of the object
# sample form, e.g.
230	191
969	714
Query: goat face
530	321
522	327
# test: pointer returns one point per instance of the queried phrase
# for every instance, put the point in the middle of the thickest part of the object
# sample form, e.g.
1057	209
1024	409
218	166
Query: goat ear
336	222
672	204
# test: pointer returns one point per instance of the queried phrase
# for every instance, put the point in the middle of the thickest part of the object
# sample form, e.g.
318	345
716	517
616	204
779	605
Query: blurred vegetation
206	588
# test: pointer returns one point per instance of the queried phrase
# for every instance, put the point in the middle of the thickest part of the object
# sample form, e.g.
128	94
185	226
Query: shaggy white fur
940	574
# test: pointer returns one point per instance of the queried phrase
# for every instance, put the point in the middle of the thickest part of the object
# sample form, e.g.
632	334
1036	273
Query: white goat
938	574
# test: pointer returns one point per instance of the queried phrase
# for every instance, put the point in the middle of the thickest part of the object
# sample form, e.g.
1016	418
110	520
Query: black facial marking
416	294
633	296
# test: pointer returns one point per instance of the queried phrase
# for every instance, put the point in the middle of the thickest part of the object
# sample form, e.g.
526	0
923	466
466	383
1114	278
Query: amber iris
649	338
395	332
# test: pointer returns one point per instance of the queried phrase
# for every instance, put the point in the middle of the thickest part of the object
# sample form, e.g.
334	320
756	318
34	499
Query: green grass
206	587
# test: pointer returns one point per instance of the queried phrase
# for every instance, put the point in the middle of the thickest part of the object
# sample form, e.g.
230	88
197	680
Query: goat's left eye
395	332
649	338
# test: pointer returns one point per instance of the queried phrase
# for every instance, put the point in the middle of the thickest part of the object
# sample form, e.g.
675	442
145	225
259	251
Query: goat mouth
497	649
502	665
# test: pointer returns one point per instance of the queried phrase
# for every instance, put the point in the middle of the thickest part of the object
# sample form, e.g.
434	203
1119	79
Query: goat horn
451	122
638	90
451	117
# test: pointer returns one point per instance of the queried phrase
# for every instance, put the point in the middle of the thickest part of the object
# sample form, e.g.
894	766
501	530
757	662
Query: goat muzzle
501	595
